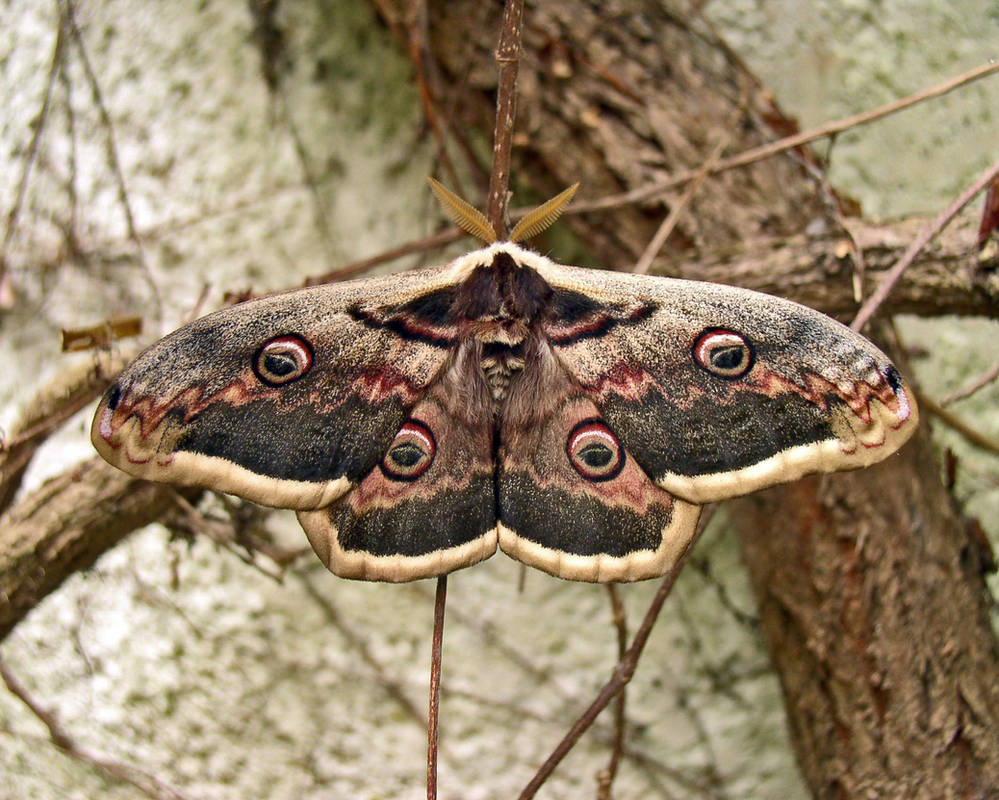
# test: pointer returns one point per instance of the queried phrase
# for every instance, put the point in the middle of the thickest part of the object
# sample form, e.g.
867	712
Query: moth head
723	353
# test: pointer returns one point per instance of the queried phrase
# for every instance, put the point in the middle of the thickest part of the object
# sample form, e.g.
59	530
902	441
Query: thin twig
656	244
65	743
355	268
788	143
112	152
225	535
605	779
436	649
392	687
938	224
508	60
971	388
624	670
321	212
38	126
832	202
950	419
72	225
418	46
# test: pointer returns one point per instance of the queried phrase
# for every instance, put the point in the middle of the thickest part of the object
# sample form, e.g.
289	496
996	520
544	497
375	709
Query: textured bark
876	617
871	588
814	269
621	95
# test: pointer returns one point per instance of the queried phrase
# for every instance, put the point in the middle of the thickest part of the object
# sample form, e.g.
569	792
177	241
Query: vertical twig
435	686
605	778
508	60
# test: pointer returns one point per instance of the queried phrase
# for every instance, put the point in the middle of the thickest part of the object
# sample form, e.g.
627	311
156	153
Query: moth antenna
465	215
543	216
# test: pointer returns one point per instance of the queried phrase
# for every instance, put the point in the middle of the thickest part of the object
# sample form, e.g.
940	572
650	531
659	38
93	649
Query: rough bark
621	95
817	270
876	618
872	591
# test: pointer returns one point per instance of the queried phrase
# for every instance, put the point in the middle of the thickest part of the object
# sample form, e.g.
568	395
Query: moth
575	418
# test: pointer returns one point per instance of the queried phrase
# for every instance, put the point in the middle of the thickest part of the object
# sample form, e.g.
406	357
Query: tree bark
876	617
870	584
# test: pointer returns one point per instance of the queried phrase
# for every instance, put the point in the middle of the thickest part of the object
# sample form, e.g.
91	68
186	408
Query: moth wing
718	391
288	400
427	507
572	501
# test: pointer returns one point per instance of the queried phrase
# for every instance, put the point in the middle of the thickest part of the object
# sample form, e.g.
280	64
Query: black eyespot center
596	455
280	363
411	453
594	450
283	359
406	455
724	353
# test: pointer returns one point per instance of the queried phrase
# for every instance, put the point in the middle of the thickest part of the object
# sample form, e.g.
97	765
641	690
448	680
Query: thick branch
876	616
818	271
614	105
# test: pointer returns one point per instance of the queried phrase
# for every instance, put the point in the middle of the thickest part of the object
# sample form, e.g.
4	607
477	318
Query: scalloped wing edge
638	565
361	565
862	449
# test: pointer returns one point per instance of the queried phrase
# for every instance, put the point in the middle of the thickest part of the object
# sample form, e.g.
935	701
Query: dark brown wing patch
426	509
574	503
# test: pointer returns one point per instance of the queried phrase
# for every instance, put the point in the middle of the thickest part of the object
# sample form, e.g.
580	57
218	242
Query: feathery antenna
472	221
543	216
464	214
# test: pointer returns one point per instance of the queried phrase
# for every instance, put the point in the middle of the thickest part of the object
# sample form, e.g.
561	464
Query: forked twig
392	687
436	240
38	126
659	239
787	143
624	670
114	161
951	419
971	388
151	786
